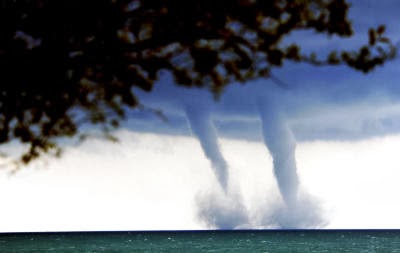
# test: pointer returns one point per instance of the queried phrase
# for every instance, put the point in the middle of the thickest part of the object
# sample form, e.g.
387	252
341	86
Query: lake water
206	241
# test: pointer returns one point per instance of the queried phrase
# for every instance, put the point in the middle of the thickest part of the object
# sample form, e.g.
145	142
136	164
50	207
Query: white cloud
153	181
357	181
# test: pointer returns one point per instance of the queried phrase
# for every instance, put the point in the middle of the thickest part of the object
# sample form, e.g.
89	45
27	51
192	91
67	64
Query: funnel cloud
281	144
203	128
225	209
298	209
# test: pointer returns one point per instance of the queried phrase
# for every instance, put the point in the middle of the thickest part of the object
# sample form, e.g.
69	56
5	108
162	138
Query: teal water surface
206	241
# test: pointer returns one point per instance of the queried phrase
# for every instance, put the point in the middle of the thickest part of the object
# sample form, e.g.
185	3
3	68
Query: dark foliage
84	56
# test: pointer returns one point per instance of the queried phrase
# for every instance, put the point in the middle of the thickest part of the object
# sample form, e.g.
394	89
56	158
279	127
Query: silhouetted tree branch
60	57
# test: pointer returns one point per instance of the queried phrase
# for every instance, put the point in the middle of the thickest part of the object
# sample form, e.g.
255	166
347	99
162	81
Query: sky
320	154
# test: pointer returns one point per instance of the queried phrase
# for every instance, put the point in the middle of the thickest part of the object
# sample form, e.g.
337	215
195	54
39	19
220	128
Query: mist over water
222	210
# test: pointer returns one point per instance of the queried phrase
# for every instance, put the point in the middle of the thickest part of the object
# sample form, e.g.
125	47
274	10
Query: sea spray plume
306	213
218	210
202	126
281	144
